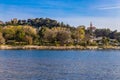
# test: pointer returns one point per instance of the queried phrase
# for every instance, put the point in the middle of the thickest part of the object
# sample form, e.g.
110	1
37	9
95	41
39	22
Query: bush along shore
32	47
50	34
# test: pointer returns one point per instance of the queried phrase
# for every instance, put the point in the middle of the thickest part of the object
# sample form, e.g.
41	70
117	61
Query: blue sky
103	13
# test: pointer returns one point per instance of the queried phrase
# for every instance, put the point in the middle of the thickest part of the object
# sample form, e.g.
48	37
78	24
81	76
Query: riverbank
9	47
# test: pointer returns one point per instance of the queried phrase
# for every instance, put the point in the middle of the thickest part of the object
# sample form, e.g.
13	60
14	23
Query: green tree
9	33
49	36
105	41
2	40
80	32
20	35
41	34
63	37
102	32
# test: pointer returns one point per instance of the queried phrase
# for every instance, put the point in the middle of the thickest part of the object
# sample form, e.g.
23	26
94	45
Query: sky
102	13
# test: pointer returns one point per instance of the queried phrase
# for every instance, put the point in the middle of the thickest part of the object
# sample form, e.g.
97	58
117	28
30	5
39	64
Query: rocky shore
8	47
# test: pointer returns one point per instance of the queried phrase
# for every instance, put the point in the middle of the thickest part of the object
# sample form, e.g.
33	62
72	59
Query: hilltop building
91	27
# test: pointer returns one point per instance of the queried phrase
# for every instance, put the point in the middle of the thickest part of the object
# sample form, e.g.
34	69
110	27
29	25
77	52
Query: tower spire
91	25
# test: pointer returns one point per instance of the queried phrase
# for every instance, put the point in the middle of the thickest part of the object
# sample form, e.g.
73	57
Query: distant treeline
50	32
37	22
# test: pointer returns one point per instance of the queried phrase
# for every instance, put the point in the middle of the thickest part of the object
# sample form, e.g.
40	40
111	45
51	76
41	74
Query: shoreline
33	47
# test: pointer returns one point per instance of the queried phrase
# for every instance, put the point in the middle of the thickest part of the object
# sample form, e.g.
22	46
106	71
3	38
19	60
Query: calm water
59	65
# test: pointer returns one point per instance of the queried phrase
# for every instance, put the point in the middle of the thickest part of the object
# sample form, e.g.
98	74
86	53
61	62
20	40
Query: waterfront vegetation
48	32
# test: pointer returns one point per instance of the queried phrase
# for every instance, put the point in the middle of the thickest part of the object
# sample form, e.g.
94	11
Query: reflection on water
59	65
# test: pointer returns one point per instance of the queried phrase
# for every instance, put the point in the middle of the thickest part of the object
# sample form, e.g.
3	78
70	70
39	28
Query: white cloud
109	7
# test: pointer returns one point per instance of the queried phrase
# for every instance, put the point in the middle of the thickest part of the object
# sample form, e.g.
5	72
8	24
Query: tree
117	36
102	32
2	40
37	22
105	41
9	33
41	34
81	32
20	35
63	37
30	31
49	36
112	34
29	39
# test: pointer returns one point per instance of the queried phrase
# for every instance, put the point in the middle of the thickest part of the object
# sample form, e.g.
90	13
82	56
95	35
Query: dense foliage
49	32
37	22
